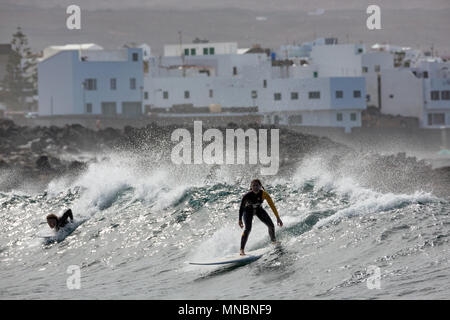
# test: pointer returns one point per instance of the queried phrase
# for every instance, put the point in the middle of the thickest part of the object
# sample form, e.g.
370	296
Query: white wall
401	93
103	72
55	84
337	60
384	60
302	86
348	85
228	92
61	76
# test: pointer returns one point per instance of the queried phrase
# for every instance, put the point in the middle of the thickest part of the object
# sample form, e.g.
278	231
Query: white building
323	102
303	50
52	50
354	60
344	60
435	75
328	90
422	91
284	94
200	48
146	49
91	82
226	80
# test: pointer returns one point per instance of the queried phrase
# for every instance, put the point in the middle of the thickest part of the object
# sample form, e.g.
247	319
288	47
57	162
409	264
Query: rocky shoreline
39	154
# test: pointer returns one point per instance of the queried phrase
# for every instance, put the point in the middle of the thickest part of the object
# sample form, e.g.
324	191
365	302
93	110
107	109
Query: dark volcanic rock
42	163
76	166
4	164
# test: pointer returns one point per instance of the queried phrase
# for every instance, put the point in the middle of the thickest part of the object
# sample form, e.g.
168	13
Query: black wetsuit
250	206
61	222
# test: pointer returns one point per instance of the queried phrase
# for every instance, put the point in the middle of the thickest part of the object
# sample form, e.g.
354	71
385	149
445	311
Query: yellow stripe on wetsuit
266	197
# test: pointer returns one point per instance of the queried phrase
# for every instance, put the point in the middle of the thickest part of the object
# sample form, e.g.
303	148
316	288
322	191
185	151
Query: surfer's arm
67	214
271	204
241	208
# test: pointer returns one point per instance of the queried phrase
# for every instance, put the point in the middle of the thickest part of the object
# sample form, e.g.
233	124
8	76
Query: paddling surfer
58	222
250	206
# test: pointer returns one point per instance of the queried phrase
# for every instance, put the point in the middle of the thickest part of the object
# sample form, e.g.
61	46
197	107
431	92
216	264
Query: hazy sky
112	23
244	4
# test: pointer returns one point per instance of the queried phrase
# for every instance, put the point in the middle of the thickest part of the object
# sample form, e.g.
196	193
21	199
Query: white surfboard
249	257
50	236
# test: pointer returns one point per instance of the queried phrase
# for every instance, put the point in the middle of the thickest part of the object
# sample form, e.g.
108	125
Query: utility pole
180	39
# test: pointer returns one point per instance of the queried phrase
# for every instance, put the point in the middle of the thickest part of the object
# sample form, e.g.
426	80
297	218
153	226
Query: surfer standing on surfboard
55	222
250	206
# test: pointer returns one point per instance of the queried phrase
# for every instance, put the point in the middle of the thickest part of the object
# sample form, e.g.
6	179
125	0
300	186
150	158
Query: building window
276	119
193	52
113	83
135	56
365	69
88	107
254	94
90	84
265	83
353	116
294	95
187	95
211	93
296	119
205	71
377	68
211	50
205	51
445	95
109	109
436	119
277	96
439	118
339	94
186	52
165	95
356	94
339	116
314	95
234	71
434	95
133	83
146	95
425	74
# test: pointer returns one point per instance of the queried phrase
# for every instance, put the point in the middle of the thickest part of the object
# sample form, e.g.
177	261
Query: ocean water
142	221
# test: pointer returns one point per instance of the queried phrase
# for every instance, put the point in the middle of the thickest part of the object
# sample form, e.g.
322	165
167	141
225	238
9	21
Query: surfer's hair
52	216
258	182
